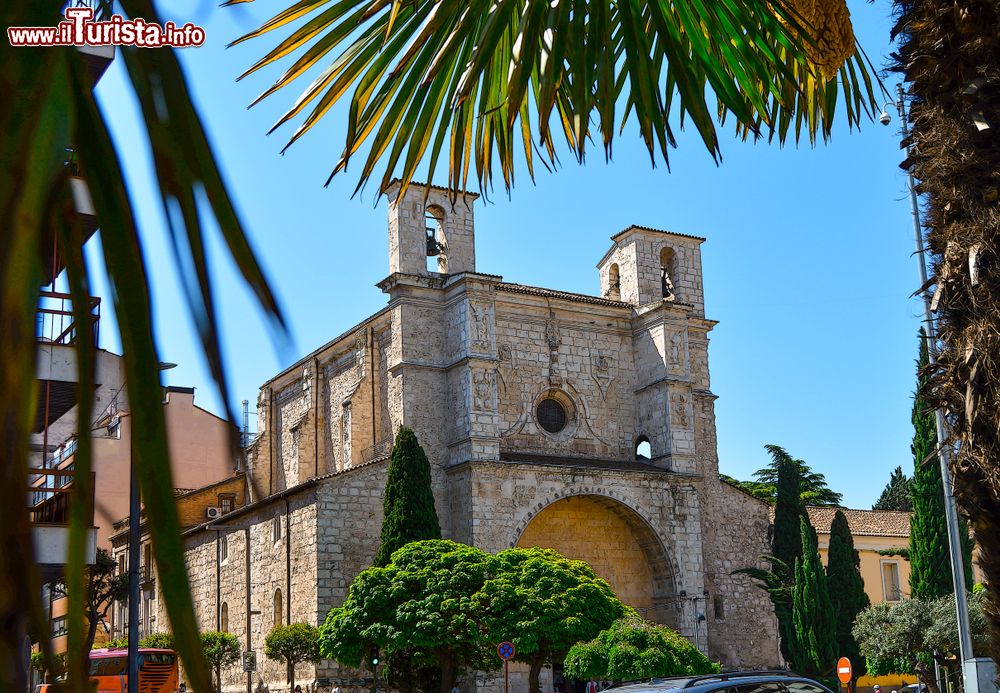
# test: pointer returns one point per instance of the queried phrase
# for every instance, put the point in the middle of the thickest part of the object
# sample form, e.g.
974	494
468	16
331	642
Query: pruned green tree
846	589
909	636
897	493
929	556
543	603
221	649
814	648
408	506
292	644
634	649
163	641
786	544
422	603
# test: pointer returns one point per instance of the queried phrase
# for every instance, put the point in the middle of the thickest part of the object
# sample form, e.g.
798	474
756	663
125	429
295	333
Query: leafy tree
633	649
897	493
423	603
846	589
103	587
291	644
408	505
543	603
814	649
164	641
221	649
813	488
37	662
930	560
907	637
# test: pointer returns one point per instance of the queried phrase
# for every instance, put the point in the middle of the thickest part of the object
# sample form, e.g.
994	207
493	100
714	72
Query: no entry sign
844	672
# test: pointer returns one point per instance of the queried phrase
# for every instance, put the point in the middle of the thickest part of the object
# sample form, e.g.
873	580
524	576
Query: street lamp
970	683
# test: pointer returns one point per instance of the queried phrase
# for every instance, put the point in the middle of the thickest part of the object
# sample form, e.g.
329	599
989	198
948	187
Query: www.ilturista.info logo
80	29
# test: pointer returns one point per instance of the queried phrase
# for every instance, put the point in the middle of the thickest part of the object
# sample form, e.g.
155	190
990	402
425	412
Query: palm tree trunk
949	55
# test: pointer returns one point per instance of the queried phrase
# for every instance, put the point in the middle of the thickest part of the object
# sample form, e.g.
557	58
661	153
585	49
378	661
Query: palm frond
476	72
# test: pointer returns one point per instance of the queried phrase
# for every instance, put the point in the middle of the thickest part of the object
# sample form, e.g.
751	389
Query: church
577	422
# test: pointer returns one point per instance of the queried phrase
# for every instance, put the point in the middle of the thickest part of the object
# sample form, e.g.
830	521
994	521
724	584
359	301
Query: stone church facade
582	423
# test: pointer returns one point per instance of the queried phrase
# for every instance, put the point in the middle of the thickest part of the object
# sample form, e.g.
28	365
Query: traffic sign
844	671
505	650
250	662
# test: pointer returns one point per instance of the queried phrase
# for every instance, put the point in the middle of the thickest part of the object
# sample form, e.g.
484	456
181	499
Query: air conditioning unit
213	513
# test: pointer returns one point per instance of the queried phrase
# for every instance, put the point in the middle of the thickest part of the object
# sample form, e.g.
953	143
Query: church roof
564	295
869	523
650	228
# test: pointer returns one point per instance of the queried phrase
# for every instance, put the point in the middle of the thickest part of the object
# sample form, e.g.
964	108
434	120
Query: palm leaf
568	61
55	109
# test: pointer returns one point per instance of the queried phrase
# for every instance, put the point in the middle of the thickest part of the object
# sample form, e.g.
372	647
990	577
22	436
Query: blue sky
808	265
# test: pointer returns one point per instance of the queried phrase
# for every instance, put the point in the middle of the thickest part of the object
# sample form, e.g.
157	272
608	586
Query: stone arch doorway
618	544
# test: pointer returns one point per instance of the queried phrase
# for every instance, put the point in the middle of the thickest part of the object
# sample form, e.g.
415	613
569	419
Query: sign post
845	672
506	652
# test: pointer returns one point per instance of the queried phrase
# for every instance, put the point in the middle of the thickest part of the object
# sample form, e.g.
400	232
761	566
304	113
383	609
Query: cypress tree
846	589
930	567
897	494
814	648
409	502
786	543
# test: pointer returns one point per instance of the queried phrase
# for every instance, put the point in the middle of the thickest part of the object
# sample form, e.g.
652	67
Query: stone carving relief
601	366
481	327
360	351
554	340
679	410
676	352
505	366
484	386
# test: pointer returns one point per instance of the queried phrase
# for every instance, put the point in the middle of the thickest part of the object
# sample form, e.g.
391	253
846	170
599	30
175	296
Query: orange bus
109	670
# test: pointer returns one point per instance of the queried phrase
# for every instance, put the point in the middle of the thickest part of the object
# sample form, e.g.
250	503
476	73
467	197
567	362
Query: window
114	429
121	564
147	562
890	581
58	626
277	607
719	607
667	273
276	528
551	415
223	548
765	687
224	618
437	259
643	450
803	688
614	283
226	502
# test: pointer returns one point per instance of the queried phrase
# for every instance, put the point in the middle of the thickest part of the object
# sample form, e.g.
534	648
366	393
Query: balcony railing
49	496
56	322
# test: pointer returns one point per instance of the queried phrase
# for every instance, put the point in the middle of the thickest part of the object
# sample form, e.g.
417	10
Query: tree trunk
291	676
218	679
949	56
925	675
447	671
536	668
91	634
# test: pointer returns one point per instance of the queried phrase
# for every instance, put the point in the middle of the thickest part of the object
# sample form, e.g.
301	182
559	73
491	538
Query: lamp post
970	683
134	539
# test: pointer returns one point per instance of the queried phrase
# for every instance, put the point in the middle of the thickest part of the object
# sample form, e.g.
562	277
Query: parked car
774	681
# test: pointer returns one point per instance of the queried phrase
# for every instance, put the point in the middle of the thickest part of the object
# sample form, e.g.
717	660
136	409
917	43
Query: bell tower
428	233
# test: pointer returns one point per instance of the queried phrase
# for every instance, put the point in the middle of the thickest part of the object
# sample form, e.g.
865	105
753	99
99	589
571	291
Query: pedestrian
455	688
298	688
336	688
592	686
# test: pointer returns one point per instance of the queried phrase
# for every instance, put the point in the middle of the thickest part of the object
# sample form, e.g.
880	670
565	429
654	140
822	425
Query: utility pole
969	684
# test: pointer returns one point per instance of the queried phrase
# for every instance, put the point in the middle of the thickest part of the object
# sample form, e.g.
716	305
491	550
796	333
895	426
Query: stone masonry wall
742	627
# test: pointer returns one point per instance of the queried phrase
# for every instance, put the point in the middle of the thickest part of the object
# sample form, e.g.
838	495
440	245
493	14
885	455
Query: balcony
48	499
